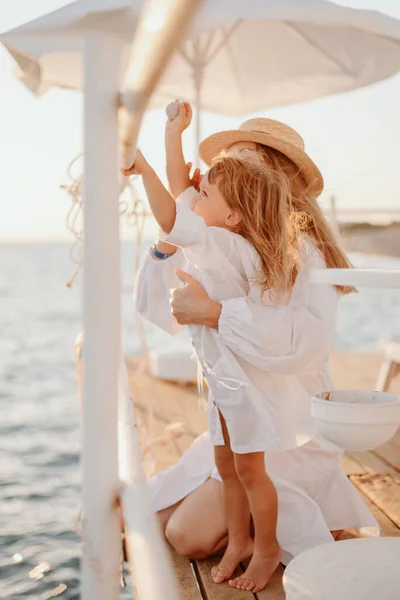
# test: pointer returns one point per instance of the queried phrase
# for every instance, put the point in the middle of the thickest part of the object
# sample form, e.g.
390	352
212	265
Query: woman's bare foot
259	571
234	553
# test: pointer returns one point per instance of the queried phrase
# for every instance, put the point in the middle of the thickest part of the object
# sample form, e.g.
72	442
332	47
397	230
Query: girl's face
212	206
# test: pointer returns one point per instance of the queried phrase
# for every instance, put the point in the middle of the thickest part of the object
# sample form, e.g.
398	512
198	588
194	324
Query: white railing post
102	321
147	552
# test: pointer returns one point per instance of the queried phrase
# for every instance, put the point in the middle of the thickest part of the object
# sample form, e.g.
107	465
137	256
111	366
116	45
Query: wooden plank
386	524
371	462
351	466
169	401
184	442
274	589
187	584
390	452
384	491
220	591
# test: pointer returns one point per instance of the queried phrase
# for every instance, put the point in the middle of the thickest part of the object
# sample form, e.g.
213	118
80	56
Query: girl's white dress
262	411
261	367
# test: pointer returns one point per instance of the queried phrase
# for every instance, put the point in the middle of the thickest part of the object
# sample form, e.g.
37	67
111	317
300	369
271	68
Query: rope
133	209
131	206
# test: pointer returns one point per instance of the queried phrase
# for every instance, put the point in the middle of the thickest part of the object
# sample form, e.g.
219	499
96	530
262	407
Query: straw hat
269	133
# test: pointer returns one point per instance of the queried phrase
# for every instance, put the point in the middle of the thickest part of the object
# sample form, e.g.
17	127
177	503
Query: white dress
262	411
290	340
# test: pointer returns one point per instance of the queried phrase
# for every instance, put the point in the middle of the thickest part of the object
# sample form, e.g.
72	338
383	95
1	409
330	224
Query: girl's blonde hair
276	208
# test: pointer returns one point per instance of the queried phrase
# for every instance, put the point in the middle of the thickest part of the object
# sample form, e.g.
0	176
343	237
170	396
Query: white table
374	278
359	569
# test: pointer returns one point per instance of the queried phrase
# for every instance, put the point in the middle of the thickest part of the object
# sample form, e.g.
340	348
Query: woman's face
246	150
240	146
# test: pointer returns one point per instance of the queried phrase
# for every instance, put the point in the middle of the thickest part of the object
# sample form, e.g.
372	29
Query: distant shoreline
363	237
371	239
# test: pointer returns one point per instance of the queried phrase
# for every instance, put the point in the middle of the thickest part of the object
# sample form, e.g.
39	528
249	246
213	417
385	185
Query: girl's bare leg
197	528
263	502
240	543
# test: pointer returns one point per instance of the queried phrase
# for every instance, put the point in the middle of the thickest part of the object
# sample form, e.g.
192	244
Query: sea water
40	418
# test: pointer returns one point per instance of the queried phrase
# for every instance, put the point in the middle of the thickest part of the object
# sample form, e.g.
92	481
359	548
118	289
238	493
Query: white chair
390	365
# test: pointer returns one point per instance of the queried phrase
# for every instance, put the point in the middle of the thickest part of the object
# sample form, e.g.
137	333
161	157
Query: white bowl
356	419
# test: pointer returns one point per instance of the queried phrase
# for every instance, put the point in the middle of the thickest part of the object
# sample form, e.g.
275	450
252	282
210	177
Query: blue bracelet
160	255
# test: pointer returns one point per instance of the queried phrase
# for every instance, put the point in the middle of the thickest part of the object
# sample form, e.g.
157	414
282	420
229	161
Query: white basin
356	419
359	569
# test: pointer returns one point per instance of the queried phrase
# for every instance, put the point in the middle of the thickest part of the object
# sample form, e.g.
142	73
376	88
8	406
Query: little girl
239	241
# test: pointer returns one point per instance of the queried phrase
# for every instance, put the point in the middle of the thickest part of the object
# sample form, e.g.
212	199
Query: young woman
290	335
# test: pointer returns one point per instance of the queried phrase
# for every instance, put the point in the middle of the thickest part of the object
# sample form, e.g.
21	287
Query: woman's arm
191	304
281	339
156	279
154	282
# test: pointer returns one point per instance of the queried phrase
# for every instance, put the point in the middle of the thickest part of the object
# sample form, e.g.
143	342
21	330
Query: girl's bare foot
234	553
259	571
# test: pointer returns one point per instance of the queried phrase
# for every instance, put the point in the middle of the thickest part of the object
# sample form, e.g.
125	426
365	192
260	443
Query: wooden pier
375	474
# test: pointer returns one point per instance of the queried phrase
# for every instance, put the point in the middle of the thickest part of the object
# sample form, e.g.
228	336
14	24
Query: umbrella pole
198	80
102	321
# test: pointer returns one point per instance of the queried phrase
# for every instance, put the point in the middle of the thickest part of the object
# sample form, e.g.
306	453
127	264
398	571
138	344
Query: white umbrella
238	57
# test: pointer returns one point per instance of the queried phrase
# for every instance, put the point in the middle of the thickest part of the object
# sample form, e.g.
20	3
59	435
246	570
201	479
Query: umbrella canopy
243	56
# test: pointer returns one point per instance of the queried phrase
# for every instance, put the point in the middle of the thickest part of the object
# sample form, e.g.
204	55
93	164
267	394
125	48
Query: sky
354	138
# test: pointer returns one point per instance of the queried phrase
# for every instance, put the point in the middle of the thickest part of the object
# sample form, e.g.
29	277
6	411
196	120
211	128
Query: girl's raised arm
177	170
161	202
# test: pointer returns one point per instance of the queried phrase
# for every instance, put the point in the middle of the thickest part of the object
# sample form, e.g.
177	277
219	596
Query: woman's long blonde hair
276	208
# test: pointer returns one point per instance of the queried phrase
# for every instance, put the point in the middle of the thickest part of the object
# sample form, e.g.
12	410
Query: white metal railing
153	573
160	29
374	278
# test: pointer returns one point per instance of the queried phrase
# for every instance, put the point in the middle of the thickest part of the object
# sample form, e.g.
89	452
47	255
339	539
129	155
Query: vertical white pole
197	120
102	322
198	80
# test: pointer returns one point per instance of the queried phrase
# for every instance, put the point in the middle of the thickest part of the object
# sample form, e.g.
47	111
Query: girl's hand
195	180
138	166
181	121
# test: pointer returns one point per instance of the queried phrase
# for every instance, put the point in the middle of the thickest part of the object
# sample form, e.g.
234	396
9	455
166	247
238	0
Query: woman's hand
191	305
181	121
138	166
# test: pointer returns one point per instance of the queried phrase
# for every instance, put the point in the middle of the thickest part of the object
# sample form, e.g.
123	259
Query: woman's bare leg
197	528
263	502
165	515
240	543
336	533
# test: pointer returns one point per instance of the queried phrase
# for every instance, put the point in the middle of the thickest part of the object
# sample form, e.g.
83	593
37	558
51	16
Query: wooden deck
375	474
